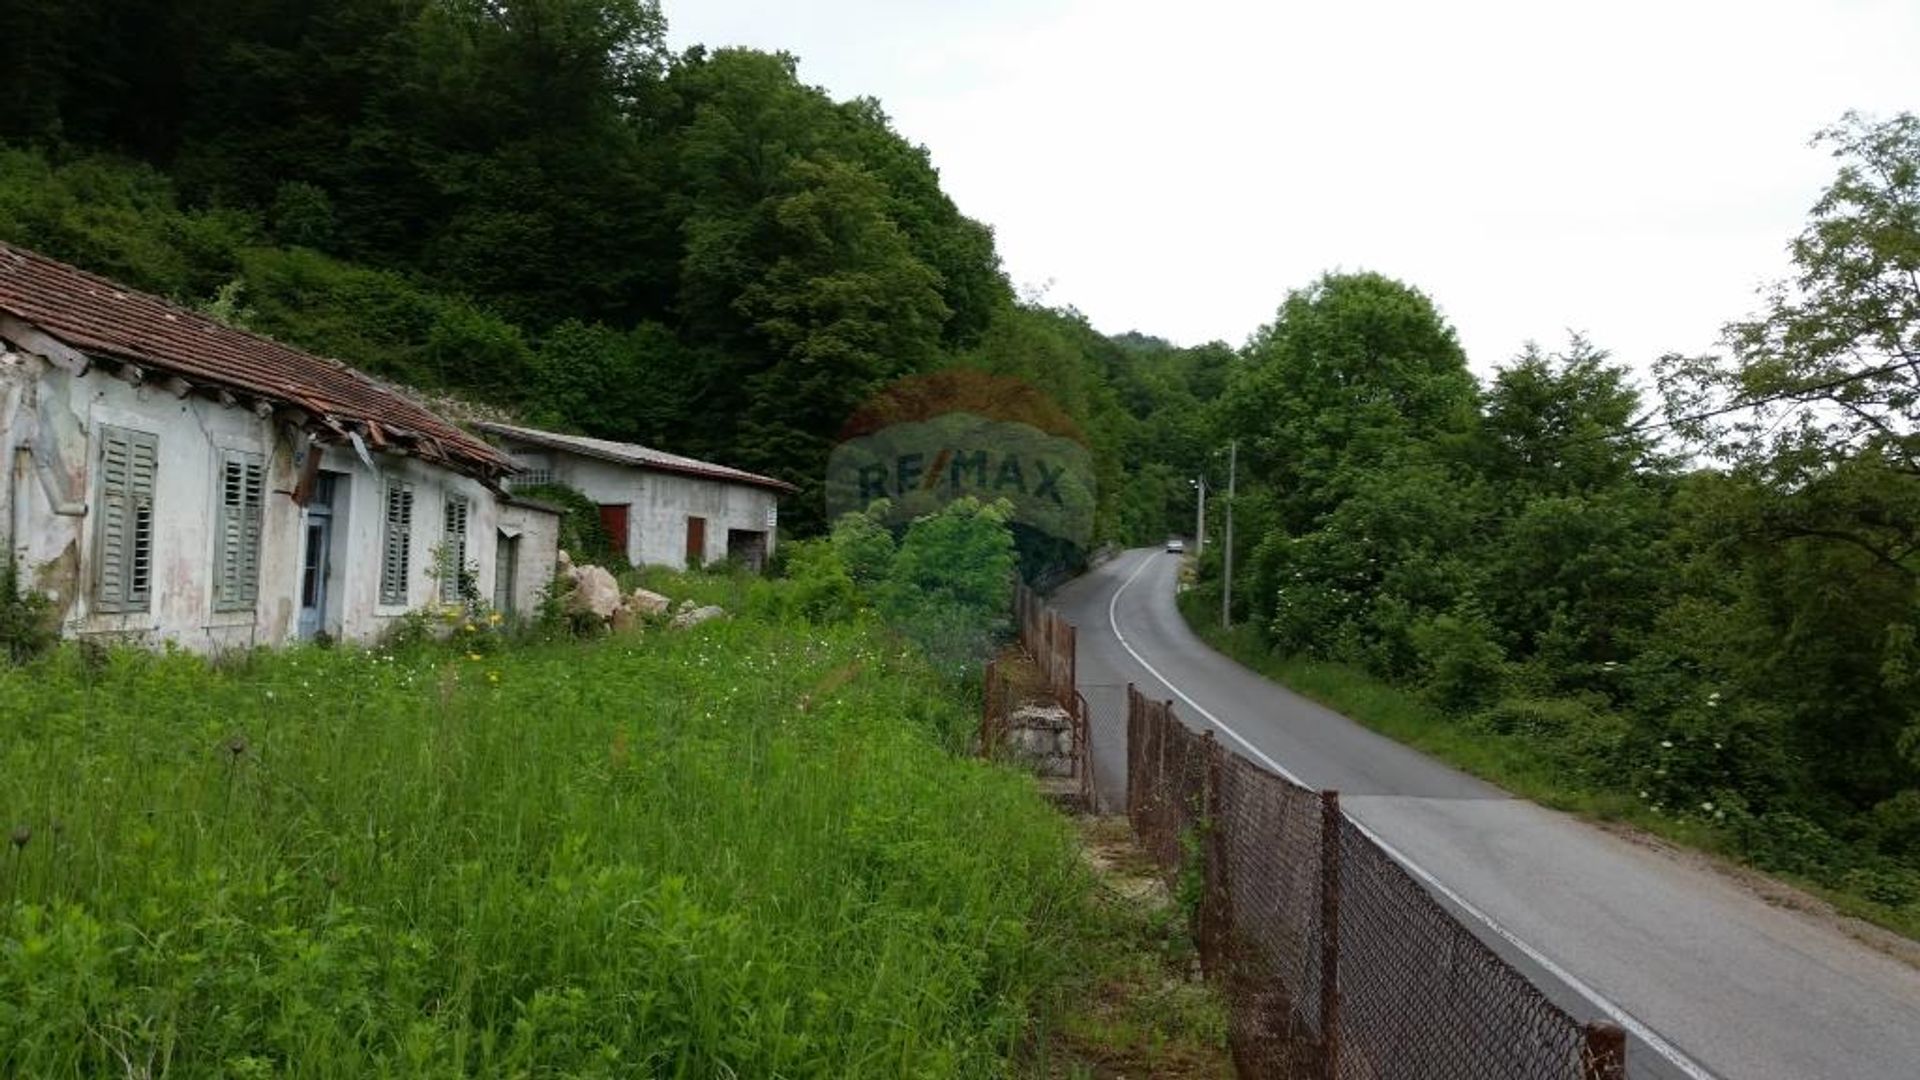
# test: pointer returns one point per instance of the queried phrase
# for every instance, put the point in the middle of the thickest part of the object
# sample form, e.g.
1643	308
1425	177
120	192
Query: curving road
1708	979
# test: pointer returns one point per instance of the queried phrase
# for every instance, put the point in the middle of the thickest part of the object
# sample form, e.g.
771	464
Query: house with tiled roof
164	477
659	509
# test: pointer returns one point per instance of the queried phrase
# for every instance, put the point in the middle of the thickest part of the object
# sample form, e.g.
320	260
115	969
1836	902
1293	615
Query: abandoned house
170	479
658	508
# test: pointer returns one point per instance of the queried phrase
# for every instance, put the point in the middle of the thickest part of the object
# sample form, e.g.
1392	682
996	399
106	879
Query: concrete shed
661	509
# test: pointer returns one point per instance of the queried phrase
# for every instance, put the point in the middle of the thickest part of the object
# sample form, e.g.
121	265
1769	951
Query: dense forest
537	206
1705	602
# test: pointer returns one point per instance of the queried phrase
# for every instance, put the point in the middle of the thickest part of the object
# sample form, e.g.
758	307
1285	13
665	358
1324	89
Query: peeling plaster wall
359	529
17	376
660	504
539	535
57	418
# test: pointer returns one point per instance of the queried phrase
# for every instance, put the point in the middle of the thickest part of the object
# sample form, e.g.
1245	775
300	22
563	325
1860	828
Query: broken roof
106	321
644	457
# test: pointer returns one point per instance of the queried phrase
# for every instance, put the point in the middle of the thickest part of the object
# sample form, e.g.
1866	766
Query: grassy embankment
1549	774
745	850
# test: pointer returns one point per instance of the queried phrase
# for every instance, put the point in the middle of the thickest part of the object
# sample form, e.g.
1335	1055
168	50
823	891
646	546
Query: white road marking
1614	1012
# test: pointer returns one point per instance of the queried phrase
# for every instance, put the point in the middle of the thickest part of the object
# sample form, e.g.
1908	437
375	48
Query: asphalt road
1708	979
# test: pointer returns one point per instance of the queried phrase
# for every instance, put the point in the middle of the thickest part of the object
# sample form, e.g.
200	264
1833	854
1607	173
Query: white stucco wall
661	502
56	417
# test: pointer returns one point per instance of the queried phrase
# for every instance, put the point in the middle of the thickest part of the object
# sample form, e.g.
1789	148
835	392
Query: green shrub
28	626
821	590
864	544
582	536
1463	668
950	584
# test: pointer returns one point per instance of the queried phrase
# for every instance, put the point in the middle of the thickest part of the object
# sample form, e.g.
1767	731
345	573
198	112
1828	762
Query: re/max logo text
963	471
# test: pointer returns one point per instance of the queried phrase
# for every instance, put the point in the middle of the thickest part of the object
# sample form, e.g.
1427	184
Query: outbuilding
659	509
171	479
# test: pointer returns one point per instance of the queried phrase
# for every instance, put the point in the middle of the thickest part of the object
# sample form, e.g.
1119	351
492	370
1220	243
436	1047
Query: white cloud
1633	170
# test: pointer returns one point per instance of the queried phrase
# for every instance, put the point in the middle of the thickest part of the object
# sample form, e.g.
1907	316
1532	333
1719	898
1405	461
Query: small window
396	540
453	549
236	554
123	553
530	470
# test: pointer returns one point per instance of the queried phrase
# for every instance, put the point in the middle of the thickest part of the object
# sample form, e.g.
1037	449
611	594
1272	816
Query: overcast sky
1629	169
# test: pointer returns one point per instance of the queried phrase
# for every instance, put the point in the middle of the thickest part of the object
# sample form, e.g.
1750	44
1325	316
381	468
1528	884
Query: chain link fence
1334	961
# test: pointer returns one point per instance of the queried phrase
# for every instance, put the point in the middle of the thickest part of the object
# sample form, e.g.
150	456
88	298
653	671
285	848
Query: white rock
645	602
696	616
594	592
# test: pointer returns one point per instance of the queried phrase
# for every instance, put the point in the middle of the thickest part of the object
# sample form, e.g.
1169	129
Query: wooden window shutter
123	556
236	561
453	548
396	542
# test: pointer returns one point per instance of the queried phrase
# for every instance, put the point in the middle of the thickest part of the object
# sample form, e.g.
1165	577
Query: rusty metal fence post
1606	1052
1330	934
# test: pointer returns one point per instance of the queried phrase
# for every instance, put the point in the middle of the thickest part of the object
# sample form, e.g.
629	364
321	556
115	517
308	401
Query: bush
28	627
1578	735
582	536
1462	668
820	589
950	585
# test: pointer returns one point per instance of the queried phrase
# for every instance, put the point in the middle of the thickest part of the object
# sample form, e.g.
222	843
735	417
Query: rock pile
1041	735
592	592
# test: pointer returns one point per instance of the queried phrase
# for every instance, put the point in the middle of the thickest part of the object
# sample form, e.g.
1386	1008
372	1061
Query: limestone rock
696	616
594	592
644	602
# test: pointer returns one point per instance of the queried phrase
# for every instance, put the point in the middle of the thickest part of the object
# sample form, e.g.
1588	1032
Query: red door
696	541
614	520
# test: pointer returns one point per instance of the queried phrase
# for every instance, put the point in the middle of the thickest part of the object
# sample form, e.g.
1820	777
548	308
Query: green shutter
396	537
123	555
453	549
236	559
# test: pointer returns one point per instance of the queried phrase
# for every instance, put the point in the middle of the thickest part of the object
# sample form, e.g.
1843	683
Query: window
530	470
396	539
453	549
123	554
236	542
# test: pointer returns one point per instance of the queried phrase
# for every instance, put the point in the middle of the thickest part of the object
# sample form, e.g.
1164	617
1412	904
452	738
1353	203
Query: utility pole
1226	589
1200	524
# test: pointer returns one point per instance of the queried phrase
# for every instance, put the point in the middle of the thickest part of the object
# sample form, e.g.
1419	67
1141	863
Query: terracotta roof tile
102	318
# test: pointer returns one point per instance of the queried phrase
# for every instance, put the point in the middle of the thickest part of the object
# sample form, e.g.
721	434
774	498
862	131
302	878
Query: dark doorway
696	541
613	519
506	571
748	547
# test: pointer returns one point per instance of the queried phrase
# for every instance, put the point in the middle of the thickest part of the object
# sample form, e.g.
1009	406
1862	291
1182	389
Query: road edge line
1614	1012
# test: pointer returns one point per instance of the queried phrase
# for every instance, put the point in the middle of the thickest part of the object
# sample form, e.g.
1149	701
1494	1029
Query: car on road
1175	545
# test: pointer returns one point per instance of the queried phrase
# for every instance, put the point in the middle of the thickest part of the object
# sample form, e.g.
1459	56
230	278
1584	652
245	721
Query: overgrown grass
1532	768
735	851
